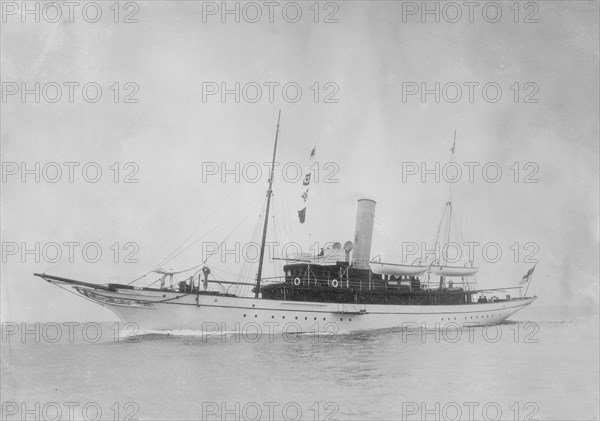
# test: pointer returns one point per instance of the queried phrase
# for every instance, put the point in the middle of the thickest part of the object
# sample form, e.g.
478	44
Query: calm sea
543	367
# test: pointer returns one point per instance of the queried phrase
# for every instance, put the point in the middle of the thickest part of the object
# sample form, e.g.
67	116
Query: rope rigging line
193	243
231	233
425	234
170	256
286	222
277	235
437	234
140	277
209	232
224	240
213	212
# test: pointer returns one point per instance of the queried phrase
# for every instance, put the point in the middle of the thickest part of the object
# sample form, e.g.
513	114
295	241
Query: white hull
170	310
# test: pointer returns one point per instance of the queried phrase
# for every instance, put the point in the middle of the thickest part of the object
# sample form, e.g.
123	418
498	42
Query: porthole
256	315
341	320
315	318
244	315
306	318
296	317
349	320
323	318
283	317
272	317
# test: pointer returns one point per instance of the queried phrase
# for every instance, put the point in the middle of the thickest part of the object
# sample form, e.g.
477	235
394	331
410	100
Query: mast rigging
266	223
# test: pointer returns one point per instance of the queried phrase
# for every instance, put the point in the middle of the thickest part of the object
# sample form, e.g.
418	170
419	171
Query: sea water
544	367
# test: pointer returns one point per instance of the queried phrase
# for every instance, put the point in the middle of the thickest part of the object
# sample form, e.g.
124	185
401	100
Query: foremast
266	222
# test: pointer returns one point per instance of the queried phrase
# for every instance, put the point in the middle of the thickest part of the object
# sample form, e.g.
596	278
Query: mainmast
449	202
447	210
441	267
266	224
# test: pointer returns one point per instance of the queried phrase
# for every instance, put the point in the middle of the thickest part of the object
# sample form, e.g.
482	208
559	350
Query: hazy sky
369	57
